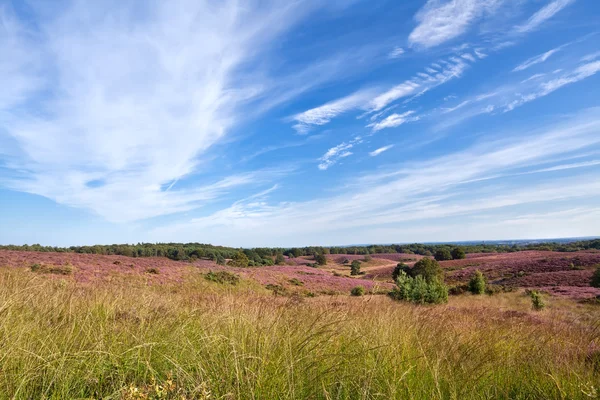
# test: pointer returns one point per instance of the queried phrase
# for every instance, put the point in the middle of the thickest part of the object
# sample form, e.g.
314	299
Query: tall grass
202	340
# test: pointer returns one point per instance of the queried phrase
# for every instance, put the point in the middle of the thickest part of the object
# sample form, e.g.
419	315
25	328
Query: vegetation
419	290
443	255
222	277
239	260
428	269
355	267
320	259
537	302
66	269
262	256
595	282
458	253
357	291
125	339
400	267
477	283
279	259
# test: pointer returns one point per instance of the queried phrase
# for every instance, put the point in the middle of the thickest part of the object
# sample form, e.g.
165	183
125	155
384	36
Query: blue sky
288	123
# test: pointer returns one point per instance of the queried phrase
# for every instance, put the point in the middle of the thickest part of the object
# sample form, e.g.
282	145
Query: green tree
398	268
355	267
443	254
537	302
458	253
596	278
418	290
427	268
239	260
279	260
320	259
477	283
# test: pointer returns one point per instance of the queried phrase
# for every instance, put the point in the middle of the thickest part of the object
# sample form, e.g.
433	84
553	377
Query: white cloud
380	150
393	120
591	57
536	60
323	114
334	154
396	52
543	14
440	21
109	106
418	195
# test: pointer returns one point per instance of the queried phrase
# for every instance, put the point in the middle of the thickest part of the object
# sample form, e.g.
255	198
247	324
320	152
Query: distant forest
264	255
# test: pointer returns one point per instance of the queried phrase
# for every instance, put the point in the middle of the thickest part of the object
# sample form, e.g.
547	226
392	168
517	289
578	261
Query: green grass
204	340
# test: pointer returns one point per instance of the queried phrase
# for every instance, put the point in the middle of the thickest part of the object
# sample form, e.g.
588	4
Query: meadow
133	336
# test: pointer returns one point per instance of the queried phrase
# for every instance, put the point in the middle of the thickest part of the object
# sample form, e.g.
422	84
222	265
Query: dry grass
200	339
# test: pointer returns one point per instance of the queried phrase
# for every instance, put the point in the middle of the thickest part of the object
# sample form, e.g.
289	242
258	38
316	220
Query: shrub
595	282
443	254
537	302
355	267
320	259
357	291
367	258
279	260
222	277
239	260
66	269
494	289
278	290
477	283
153	270
429	269
398	268
457	290
117	262
418	290
220	260
458	253
35	267
296	282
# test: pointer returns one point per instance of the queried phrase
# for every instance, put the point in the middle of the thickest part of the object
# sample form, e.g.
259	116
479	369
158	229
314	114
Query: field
91	326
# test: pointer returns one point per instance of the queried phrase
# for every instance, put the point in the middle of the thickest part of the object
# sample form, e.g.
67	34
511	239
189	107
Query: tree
239	260
443	254
279	260
355	267
418	290
398	268
320	259
427	268
458	253
477	283
596	278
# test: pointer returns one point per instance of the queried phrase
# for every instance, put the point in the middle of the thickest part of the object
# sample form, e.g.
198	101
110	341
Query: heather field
115	327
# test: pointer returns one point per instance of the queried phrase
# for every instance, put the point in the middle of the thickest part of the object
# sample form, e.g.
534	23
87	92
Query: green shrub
595	282
537	302
66	269
355	267
320	259
477	283
222	277
443	254
239	260
35	267
220	260
418	290
279	259
458	253
357	291
278	290
400	267
427	268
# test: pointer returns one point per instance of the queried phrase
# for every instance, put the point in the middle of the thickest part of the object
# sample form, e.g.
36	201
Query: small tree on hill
537	302
443	255
355	267
596	278
427	268
458	253
279	260
398	268
239	260
477	283
320	259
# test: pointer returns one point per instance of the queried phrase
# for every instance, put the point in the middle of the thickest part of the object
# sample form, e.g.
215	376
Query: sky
293	123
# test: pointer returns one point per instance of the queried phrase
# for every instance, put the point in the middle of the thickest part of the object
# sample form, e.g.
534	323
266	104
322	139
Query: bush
117	262
220	260
418	290
239	260
429	269
153	270
296	282
357	291
279	259
66	269
278	290
458	253
398	268
367	258
443	255
537	302
320	259
477	283
355	267
595	282
222	277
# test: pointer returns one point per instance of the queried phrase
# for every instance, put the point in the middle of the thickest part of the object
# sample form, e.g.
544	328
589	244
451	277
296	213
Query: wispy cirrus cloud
542	15
536	60
334	154
396	52
394	120
380	150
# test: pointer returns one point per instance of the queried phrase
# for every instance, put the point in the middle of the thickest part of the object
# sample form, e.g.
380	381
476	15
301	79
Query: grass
203	340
